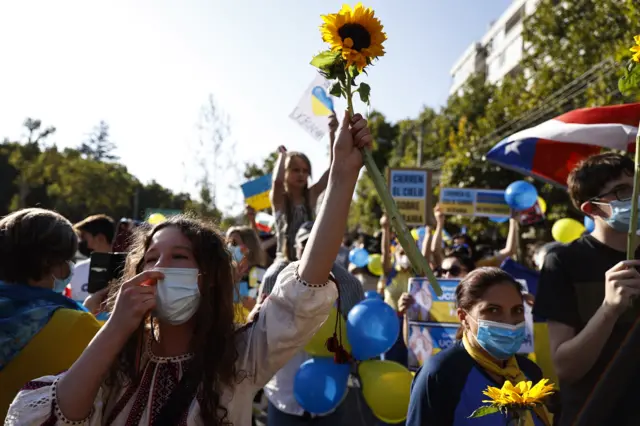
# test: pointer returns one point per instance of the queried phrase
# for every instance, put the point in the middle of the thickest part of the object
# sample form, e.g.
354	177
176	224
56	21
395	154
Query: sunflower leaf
484	411
336	89
325	60
364	90
629	83
353	72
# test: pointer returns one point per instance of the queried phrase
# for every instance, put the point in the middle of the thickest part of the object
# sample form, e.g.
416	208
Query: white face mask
177	295
404	262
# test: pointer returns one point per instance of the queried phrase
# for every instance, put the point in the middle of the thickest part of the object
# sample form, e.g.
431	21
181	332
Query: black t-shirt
570	291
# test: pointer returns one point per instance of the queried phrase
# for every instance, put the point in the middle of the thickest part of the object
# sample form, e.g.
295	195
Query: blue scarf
24	311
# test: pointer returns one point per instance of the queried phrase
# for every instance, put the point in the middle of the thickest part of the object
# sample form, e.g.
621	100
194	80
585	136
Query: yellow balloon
543	205
375	264
386	386
414	234
156	218
318	344
567	230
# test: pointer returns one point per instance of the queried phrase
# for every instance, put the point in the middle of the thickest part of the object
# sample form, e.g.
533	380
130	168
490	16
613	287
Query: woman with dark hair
456	265
170	353
41	331
449	386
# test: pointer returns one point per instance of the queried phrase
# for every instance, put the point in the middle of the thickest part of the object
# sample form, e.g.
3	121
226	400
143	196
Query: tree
254	171
570	62
35	133
214	135
72	183
98	146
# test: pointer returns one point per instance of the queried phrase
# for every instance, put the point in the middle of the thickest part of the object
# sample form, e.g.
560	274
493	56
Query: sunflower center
356	32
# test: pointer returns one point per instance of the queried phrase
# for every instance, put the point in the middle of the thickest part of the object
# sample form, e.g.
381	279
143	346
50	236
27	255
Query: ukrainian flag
256	192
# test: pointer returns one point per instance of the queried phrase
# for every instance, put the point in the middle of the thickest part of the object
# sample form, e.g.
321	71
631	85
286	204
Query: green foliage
76	183
484	411
326	63
629	83
364	90
98	146
572	50
335	90
254	171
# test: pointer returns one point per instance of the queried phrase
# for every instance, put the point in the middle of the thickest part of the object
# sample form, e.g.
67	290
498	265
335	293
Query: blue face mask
620	215
59	284
501	341
236	253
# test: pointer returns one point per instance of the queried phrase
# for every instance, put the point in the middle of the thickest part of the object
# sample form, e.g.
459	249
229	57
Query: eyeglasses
621	193
454	271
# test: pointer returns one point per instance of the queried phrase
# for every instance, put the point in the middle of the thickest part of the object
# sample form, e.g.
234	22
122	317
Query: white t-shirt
80	281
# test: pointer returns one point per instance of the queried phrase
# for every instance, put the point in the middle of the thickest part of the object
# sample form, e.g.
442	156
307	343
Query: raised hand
354	135
135	299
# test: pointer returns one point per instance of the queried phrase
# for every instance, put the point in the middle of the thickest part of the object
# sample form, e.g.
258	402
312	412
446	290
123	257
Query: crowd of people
201	326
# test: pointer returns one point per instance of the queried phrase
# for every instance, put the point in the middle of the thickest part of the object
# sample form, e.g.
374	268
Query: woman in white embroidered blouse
127	375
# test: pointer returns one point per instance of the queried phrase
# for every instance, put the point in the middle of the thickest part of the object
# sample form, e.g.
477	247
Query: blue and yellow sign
410	189
431	307
321	102
474	202
256	192
426	339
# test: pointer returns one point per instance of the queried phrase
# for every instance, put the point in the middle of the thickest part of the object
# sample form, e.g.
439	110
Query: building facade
500	50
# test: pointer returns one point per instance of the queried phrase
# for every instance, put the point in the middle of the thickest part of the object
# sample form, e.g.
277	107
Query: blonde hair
256	256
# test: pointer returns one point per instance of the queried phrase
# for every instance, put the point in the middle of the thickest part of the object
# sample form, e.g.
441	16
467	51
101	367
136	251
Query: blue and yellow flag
256	192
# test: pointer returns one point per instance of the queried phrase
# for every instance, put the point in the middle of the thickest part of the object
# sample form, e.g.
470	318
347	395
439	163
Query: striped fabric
300	216
351	292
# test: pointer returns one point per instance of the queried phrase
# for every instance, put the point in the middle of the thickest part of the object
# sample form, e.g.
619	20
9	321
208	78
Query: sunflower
355	33
636	49
523	394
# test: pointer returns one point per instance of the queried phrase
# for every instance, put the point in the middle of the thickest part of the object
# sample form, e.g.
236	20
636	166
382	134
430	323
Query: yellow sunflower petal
637	39
353	48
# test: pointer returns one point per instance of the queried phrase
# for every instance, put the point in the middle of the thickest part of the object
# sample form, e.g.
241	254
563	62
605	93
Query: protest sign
433	320
256	192
474	202
411	190
314	108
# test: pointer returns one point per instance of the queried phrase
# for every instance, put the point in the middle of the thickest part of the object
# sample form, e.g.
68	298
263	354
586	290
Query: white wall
505	49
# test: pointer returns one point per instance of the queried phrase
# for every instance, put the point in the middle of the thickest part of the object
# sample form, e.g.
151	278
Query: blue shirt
449	386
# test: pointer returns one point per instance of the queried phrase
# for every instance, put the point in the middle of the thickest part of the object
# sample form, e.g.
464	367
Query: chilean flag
549	151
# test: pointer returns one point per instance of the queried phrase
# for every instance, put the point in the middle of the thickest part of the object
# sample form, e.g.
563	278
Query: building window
514	20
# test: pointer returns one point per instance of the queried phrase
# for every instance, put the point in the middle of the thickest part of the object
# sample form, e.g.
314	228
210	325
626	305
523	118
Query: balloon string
334	343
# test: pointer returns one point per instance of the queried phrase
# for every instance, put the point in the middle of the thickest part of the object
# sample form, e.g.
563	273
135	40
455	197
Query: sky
147	68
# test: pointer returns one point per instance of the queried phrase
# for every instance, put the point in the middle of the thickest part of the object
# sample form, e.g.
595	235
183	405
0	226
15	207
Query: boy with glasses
586	290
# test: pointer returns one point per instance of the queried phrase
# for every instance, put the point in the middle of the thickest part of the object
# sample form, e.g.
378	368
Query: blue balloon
521	195
499	219
359	257
589	224
320	385
372	328
372	295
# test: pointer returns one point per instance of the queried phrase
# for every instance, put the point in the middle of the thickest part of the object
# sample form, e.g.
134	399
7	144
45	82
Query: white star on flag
513	147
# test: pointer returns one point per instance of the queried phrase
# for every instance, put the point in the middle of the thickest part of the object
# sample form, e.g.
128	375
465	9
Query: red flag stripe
628	114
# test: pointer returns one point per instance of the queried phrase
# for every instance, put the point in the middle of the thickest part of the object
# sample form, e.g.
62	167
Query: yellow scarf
511	371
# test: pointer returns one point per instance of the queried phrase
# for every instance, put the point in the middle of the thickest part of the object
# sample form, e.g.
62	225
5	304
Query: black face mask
84	249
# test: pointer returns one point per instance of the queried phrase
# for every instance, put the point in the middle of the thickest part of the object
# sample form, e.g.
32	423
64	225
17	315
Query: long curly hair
214	341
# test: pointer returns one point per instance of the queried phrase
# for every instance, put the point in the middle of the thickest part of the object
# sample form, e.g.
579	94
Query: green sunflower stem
633	225
418	261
